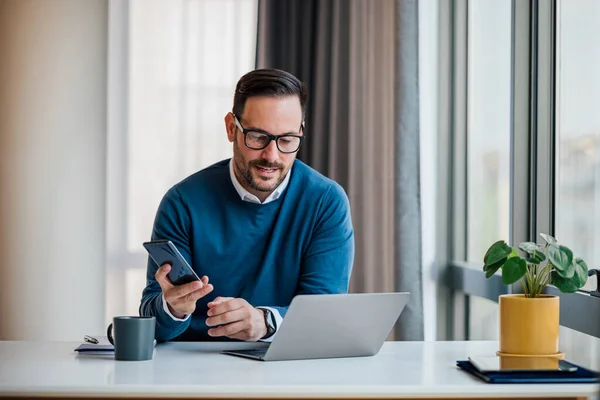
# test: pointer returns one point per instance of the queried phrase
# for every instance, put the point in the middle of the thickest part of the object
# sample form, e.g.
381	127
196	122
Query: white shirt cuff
278	321
166	308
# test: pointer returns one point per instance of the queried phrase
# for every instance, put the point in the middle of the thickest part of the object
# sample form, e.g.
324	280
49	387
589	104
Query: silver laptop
332	325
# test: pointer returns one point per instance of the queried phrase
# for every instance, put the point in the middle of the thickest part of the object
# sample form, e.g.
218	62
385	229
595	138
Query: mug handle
109	334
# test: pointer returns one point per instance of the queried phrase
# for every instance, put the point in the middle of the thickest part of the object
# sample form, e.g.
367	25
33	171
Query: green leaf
497	252
535	252
513	253
567	273
513	270
581	271
529	247
549	239
565	285
538	256
491	269
560	256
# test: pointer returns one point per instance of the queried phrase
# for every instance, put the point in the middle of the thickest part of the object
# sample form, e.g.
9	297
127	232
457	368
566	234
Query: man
262	226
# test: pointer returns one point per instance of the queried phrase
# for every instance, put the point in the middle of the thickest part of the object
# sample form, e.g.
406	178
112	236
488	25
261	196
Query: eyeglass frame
271	137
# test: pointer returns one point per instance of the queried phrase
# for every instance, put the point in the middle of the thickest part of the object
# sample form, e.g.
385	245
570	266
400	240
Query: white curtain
173	66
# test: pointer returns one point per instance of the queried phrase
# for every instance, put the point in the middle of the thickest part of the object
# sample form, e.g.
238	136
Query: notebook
102	348
581	375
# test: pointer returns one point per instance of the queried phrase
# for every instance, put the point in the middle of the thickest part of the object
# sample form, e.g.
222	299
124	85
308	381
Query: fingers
181	299
186	304
223	304
229	330
200	293
188	293
235	318
185	289
161	277
178	291
227	318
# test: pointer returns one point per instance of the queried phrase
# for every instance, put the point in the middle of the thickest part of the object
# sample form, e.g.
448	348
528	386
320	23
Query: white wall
52	177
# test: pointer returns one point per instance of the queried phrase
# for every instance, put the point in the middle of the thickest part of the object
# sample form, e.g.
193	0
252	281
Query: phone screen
508	364
164	251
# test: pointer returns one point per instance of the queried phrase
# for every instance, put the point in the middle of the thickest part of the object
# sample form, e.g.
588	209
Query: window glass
176	64
577	215
185	59
483	319
488	125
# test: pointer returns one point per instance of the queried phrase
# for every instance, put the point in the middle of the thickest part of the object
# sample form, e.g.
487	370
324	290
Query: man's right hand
181	299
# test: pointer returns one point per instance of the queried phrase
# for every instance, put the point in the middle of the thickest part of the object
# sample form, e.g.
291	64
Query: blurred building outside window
488	143
577	187
174	67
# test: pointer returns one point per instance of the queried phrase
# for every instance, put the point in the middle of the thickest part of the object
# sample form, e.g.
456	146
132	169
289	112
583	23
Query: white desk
400	370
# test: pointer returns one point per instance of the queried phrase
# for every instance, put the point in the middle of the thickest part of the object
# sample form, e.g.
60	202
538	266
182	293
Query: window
483	319
578	129
488	125
520	88
173	69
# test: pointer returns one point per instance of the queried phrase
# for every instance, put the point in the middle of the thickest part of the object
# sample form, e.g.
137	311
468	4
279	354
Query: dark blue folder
581	375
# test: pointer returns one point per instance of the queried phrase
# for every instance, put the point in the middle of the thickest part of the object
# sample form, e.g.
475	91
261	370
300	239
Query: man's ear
230	126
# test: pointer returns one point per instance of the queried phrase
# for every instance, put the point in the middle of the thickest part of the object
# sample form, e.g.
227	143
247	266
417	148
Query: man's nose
271	152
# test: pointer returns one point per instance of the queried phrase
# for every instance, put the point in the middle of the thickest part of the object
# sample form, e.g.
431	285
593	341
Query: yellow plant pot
529	326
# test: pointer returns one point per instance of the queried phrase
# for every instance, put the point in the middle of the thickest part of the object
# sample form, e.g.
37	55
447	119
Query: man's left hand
236	319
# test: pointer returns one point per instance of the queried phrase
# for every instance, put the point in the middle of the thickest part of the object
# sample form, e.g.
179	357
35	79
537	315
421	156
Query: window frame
532	166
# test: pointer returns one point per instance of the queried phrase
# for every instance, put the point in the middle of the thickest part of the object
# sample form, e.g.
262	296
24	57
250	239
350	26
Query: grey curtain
359	60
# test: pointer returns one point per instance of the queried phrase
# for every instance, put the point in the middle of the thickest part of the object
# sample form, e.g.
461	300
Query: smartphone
164	251
521	364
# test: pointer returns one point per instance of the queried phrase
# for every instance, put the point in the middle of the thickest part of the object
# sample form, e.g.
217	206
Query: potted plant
529	322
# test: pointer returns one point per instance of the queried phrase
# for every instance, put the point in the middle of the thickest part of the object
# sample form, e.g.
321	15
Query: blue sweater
301	243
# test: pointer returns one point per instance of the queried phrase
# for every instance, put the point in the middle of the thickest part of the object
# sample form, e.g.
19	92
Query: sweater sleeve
327	262
171	223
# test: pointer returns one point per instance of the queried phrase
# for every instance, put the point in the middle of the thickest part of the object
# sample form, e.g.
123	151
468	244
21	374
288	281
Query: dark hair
271	83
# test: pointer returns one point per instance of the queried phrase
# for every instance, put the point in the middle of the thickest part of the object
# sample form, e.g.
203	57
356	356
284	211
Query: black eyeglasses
256	139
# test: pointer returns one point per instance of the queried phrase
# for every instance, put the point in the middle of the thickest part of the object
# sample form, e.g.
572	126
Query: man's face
261	171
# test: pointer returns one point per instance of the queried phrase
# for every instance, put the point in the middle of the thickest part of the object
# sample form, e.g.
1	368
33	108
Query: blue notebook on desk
581	375
103	347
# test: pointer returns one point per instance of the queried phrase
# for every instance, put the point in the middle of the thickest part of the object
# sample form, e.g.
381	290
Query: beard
246	168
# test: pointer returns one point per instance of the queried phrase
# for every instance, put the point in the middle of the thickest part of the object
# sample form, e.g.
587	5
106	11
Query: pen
90	339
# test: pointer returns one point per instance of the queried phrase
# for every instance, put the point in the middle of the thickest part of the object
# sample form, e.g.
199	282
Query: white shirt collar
247	196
